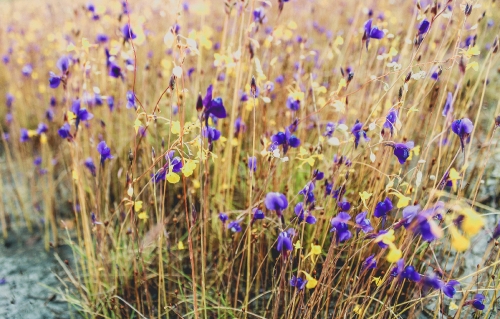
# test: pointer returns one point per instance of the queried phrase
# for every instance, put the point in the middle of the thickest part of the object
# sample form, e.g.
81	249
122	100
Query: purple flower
423	27
448	105
276	201
411	274
462	128
252	163
114	70
339	226
304	215
371	32
344	205
127	32
212	106
63	64
24	135
358	132
292	104
37	161
239	125
105	151
391	119
9	99
258	214
496	232
329	129
363	223
54	80
287	139
130	100
369	263
434	282
27	70
89	163
382	208
298	283
81	113
42	128
399	269
64	131
402	151
211	133
101	38
234	226
223	218
477	302
285	241
318	175
449	288
111	102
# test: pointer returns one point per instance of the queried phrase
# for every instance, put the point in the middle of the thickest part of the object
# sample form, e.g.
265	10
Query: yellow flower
357	310
175	127
315	249
138	205
180	246
173	178
454	176
365	196
387	238
458	241
403	200
394	254
474	65
472	51
297	245
188	168
472	223
377	280
311	282
143	216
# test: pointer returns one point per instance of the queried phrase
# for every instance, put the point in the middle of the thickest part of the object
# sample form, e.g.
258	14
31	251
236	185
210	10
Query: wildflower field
256	158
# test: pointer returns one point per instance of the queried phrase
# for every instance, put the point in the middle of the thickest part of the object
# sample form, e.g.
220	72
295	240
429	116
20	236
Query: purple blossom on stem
339	226
358	132
89	163
402	151
371	33
363	223
234	226
462	128
276	201
81	113
391	119
284	244
369	263
64	131
105	151
252	163
448	105
298	283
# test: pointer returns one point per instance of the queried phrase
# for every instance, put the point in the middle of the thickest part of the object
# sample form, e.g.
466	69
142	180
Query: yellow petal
458	241
472	223
180	246
394	254
175	127
143	216
315	249
311	282
297	245
138	205
173	178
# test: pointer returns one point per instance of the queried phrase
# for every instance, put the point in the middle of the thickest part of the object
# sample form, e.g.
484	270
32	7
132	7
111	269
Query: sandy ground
25	267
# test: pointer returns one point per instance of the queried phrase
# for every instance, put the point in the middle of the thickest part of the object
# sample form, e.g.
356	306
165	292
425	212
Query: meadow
255	158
